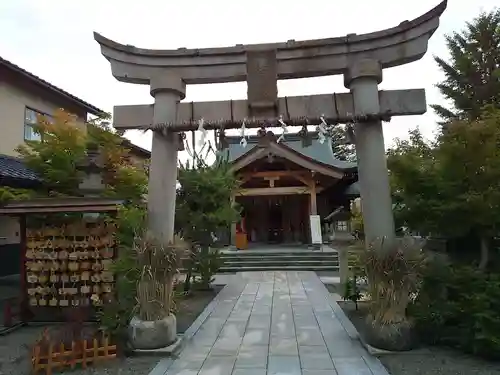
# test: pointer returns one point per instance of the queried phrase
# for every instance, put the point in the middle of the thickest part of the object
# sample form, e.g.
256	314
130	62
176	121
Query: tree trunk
484	253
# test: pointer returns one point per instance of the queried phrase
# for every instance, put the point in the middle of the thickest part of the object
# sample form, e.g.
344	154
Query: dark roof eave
311	160
20	183
136	148
87	106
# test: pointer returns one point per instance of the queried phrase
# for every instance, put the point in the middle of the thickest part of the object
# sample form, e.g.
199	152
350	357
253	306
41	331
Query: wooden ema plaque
70	266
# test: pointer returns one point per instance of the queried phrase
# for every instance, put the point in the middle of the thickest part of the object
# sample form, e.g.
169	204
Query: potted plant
153	325
393	271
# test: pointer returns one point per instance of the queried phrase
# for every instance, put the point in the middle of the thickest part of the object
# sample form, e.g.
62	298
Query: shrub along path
274	322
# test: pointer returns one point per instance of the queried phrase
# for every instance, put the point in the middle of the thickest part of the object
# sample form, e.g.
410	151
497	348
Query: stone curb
166	351
344	320
354	334
376	367
163	365
4	331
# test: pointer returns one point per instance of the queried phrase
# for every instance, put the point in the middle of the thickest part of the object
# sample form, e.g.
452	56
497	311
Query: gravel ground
15	357
14	350
193	305
426	361
15	347
437	361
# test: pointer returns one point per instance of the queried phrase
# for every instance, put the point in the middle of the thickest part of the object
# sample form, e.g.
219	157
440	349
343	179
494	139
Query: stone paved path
274	323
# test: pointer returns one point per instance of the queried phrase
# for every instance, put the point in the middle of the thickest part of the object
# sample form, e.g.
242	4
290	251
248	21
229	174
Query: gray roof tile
322	153
14	168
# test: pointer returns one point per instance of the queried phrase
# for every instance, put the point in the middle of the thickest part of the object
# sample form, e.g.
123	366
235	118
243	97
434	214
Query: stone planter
156	334
392	337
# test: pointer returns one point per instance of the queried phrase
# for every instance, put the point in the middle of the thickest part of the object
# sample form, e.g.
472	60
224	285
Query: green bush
351	291
115	316
208	263
203	208
459	306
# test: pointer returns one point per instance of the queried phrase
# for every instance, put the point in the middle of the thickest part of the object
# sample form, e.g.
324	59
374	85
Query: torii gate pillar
362	78
168	91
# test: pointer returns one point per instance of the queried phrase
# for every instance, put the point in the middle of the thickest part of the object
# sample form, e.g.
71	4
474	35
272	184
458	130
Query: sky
53	39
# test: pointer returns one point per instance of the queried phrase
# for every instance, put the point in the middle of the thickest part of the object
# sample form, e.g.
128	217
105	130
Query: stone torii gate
360	58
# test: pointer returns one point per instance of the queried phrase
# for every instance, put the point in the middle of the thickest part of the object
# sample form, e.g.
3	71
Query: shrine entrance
284	192
275	219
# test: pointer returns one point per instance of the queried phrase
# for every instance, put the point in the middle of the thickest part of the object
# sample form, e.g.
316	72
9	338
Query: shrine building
293	190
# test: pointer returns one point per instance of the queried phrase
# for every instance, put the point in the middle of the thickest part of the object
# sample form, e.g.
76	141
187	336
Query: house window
30	120
342	226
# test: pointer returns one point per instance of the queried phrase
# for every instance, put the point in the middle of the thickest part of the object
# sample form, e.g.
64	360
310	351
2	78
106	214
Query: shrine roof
317	151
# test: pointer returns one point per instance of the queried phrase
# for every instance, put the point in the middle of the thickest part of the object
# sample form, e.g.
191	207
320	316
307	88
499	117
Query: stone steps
280	268
282	255
280	262
300	260
257	254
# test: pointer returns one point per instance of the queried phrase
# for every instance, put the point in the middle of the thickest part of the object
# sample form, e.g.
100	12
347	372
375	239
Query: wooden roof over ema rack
60	205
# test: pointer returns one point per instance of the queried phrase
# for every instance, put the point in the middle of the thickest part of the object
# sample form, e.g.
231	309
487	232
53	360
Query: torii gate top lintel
395	46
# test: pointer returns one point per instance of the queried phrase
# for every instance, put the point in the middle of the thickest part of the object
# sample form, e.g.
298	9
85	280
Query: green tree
203	208
414	180
450	187
204	200
64	144
342	150
8	193
56	156
473	71
122	177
